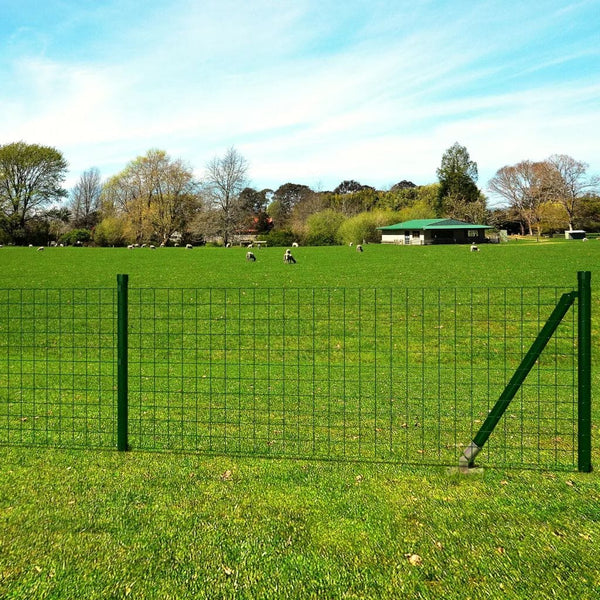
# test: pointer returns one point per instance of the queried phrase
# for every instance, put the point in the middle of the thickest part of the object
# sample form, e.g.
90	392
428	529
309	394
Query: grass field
96	524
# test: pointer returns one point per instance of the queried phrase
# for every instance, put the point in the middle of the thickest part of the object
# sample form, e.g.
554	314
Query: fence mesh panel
403	375
57	367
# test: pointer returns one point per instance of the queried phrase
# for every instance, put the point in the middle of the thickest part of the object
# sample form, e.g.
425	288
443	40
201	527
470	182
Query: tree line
158	199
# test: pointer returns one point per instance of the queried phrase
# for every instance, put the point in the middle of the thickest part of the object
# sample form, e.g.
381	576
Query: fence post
122	368
584	372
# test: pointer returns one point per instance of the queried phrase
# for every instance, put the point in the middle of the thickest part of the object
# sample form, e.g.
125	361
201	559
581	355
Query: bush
281	237
363	227
322	228
71	238
109	232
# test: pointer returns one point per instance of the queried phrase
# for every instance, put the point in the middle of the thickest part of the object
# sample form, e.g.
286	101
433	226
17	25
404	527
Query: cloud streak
306	91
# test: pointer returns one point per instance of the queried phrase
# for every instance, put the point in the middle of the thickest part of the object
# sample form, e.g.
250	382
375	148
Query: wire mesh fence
403	375
57	367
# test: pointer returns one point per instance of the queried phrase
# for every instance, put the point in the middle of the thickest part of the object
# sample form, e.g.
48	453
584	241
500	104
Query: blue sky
309	91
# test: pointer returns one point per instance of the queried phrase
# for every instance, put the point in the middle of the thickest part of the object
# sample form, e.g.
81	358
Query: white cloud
308	97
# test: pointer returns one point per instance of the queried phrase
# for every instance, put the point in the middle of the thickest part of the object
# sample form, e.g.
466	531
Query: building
421	232
574	234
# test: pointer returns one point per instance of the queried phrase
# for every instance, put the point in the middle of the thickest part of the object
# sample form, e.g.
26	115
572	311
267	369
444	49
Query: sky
308	91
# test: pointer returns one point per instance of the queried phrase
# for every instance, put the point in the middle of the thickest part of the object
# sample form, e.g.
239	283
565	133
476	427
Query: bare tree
85	199
568	183
224	181
524	187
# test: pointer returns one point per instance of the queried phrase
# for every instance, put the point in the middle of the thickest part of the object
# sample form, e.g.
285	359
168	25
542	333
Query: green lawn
98	524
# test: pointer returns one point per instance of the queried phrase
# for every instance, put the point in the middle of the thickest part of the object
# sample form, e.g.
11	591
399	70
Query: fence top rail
446	289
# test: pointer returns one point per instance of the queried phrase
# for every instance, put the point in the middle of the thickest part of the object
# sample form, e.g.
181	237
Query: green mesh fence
403	375
400	375
57	367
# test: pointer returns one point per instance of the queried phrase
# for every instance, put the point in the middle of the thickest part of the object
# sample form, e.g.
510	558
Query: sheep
152	247
295	245
188	246
359	248
250	256
474	247
288	258
40	249
249	245
351	244
130	247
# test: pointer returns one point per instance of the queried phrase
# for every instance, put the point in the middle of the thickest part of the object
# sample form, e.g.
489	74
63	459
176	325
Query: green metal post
122	370
529	360
584	368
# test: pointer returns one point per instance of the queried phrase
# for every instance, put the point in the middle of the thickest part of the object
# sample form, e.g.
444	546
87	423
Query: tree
524	186
252	209
155	195
567	182
284	199
85	199
348	187
457	176
31	177
224	181
402	185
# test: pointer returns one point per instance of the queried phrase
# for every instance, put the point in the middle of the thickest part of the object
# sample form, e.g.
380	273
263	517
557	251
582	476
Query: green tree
457	175
284	199
31	177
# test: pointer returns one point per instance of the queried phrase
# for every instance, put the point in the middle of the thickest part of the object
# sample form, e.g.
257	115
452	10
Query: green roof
433	224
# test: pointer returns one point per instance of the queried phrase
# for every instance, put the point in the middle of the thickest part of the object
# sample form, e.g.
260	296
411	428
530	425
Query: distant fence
402	375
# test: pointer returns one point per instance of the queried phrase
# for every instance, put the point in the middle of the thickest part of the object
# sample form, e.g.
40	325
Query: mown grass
90	524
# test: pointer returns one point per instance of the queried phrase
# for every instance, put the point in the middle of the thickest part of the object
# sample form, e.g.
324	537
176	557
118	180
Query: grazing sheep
359	248
351	244
474	247
152	247
249	245
584	239
227	245
41	249
250	256
189	246
130	247
295	245
288	258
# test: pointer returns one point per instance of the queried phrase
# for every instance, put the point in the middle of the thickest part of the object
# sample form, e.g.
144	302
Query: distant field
96	524
516	263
